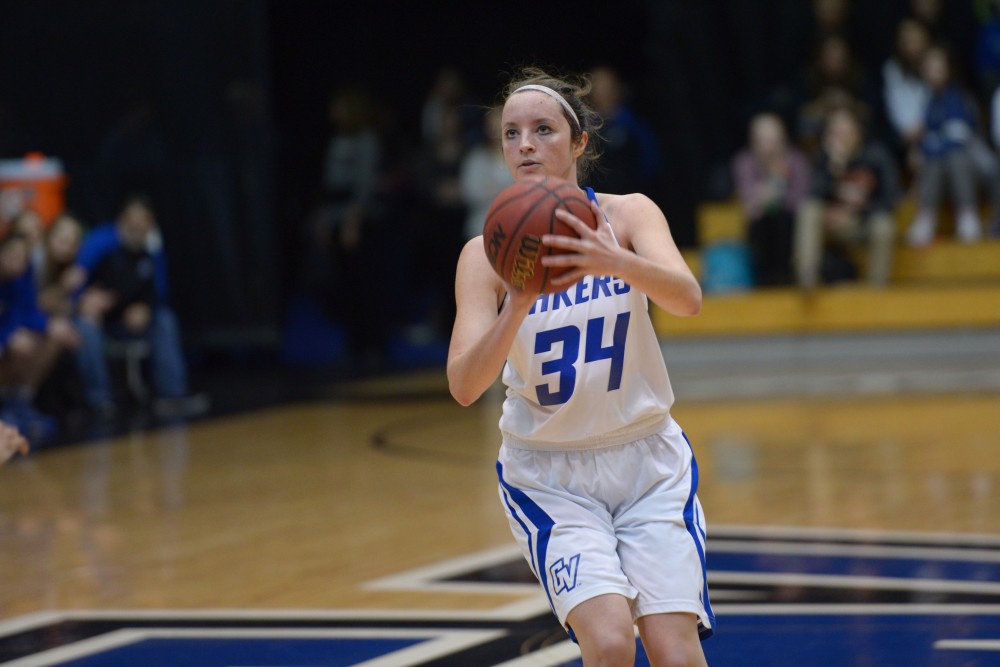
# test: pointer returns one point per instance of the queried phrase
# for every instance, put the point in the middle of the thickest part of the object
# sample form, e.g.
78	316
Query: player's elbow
464	397
694	306
690	304
462	391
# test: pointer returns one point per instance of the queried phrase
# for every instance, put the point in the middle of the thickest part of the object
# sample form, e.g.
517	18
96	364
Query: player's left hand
596	252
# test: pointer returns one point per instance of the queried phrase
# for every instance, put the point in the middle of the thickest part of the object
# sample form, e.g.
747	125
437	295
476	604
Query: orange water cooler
34	181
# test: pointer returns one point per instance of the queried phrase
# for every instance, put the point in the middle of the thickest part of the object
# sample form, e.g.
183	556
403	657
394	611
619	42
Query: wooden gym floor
345	503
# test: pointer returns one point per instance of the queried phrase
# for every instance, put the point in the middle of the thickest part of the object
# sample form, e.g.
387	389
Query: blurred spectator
851	20
446	97
630	154
995	119
30	341
951	152
931	14
954	26
833	80
11	442
126	299
61	278
440	233
903	89
484	174
349	231
987	56
28	224
772	180
831	16
855	188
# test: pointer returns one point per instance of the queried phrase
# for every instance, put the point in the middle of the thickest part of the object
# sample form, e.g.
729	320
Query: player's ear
581	145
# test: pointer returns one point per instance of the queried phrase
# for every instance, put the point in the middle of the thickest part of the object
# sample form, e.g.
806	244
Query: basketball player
11	442
597	480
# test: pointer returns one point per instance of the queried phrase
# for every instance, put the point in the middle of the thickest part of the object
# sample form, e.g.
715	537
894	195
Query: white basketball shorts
619	519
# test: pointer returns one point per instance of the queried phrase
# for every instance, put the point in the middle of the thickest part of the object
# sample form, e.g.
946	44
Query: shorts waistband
643	429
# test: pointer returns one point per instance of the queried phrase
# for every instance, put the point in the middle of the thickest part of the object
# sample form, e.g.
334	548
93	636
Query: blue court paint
864	566
798	621
838	641
833	641
284	652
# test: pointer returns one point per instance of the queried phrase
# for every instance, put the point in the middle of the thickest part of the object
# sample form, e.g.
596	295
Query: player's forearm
473	370
673	289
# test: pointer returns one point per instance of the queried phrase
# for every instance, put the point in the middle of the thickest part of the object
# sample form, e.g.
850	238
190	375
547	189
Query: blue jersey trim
592	196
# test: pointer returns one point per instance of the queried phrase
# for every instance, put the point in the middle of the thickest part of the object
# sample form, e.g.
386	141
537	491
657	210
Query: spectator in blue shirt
630	158
953	153
127	280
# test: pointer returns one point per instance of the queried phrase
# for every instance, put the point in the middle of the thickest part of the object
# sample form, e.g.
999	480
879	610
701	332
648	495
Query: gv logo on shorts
563	574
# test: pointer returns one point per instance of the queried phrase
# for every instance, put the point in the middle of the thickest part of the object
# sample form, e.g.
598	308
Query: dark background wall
217	108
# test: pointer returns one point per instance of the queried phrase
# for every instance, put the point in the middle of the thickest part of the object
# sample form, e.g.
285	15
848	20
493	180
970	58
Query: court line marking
440	642
29	622
857	609
472	587
429	576
737	595
978	555
967	645
860	384
417	578
520	610
859	534
550	656
848	581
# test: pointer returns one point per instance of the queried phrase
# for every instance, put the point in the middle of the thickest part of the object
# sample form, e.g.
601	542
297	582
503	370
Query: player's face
537	139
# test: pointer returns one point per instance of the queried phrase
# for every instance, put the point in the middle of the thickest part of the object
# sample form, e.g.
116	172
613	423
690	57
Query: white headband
551	93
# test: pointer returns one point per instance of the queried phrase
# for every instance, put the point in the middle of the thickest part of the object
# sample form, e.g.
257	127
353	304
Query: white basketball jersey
585	370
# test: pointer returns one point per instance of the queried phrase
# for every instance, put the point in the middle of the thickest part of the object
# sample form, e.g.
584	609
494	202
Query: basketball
516	221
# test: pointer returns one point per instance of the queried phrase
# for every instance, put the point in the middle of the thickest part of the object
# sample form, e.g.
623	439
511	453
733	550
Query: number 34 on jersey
563	368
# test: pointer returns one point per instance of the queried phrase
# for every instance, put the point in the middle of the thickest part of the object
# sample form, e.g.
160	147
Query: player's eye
544	129
510	133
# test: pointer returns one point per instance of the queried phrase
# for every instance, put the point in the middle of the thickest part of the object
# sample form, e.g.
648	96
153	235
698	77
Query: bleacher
946	285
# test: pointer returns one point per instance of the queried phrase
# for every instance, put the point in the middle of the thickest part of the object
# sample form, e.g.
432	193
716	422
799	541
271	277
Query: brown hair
573	89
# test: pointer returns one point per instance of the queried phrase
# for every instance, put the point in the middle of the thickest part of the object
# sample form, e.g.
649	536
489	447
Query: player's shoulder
629	204
473	250
475	274
473	258
629	213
